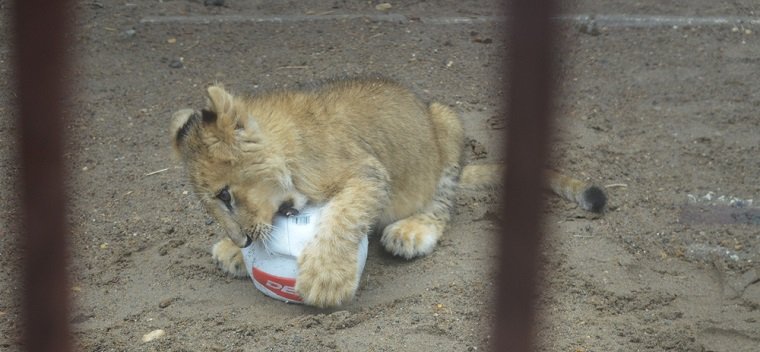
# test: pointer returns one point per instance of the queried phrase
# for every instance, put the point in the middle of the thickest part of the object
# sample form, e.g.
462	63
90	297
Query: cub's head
239	175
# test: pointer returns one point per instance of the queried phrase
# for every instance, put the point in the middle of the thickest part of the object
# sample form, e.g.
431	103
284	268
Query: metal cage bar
40	37
529	112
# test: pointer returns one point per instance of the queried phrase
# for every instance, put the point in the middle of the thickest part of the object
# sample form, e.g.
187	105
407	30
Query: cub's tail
587	196
480	176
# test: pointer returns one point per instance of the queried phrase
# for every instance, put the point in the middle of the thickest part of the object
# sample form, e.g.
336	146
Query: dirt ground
664	116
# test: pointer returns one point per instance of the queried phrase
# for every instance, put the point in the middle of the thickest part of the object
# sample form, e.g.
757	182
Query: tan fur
367	149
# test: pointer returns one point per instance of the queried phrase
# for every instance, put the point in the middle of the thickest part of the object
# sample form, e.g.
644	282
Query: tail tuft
593	199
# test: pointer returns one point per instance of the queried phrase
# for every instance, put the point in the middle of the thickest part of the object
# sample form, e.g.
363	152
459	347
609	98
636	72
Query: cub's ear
221	104
182	122
194	135
219	100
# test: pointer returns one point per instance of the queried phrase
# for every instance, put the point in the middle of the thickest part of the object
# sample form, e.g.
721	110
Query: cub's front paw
326	278
229	258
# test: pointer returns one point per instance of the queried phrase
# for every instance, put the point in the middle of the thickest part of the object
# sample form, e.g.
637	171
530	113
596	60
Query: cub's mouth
257	232
261	231
248	241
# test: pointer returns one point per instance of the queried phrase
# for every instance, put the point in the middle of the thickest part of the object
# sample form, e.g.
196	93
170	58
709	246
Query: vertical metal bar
40	50
530	87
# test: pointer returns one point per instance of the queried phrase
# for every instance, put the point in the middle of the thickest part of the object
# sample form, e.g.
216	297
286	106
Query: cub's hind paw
228	257
411	237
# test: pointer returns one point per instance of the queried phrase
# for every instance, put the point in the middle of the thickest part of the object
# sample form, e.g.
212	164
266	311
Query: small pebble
176	63
213	2
590	29
155	334
129	33
165	303
383	7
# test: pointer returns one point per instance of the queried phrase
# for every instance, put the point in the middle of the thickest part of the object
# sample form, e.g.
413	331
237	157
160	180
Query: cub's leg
229	258
418	234
328	272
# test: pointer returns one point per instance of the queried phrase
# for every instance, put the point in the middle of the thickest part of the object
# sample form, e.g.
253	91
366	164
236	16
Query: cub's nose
287	209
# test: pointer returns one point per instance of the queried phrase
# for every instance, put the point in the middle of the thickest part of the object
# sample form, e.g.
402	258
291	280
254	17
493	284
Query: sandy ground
665	116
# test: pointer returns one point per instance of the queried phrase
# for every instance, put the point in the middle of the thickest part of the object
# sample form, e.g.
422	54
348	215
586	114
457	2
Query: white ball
273	264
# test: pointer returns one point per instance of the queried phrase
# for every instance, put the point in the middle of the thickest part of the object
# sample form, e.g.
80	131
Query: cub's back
344	121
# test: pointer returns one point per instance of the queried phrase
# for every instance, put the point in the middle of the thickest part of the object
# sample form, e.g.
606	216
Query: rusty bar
40	37
530	86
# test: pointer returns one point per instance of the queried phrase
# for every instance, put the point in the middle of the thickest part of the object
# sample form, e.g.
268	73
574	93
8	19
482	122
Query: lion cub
368	149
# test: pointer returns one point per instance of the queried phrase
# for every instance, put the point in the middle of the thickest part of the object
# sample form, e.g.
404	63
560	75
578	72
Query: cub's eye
225	196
